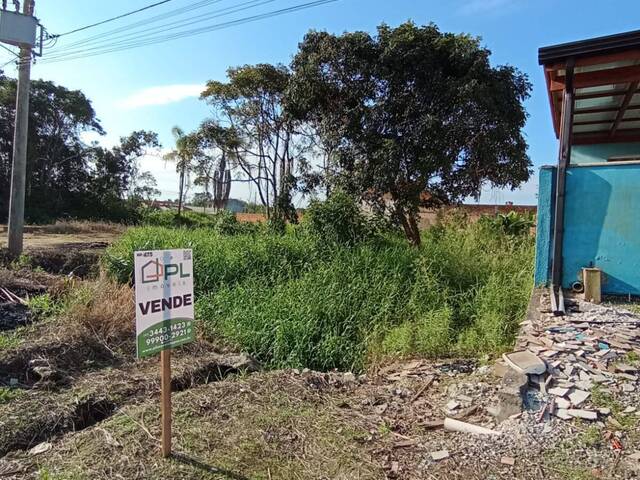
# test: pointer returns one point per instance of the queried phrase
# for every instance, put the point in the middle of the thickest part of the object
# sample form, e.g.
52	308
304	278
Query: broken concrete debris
454	425
508	461
564	358
525	362
584	414
440	455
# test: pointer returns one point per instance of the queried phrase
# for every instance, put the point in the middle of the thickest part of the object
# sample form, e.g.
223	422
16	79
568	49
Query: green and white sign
164	300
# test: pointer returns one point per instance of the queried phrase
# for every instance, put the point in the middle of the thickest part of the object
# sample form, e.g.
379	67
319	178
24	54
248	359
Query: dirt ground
76	404
78	235
70	247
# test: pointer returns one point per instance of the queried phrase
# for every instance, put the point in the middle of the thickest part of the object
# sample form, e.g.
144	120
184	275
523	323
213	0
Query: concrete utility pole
19	166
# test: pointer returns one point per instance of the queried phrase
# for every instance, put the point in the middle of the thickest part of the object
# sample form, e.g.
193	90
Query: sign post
164	316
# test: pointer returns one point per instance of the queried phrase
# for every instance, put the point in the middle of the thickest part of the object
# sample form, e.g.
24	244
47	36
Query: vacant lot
75	404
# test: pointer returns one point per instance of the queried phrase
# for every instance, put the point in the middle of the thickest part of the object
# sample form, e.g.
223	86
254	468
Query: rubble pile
565	357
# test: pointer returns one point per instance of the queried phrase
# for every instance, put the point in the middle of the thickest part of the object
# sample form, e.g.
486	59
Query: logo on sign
154	271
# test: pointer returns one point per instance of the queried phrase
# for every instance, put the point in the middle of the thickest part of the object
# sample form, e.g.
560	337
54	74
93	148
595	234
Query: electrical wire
7	63
172	13
10	51
146	33
86	27
187	33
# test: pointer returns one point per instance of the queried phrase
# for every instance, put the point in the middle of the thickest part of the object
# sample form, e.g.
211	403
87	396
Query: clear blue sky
119	83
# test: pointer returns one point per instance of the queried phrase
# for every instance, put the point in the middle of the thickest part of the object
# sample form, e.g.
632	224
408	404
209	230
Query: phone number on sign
164	335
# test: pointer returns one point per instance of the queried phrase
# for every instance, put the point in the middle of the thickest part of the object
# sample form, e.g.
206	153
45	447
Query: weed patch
294	301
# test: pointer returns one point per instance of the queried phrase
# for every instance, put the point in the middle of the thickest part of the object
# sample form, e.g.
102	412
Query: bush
512	223
336	221
223	222
219	260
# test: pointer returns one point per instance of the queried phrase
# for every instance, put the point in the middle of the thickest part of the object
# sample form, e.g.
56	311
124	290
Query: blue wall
602	225
602	152
544	229
601	229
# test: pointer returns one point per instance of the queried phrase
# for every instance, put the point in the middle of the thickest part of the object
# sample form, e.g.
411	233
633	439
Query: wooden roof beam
600	59
633	88
622	136
584	111
610	76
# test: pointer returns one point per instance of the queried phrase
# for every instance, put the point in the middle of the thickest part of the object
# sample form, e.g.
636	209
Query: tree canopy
417	117
65	176
261	135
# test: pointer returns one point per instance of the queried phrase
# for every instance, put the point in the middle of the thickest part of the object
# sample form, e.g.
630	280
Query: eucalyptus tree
264	142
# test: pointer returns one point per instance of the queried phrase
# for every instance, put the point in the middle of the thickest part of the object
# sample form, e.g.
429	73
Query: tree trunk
181	192
409	226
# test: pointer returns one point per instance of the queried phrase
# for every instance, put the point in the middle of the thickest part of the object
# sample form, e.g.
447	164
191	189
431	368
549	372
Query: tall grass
295	302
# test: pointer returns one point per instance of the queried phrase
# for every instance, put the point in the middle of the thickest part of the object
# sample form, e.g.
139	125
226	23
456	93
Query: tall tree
182	155
416	116
266	147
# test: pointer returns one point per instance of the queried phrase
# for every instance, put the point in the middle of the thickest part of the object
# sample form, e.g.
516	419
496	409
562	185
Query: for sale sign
164	300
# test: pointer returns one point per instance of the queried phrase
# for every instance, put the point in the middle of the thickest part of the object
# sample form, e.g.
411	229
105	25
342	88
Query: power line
121	46
5	64
162	16
149	32
10	51
86	27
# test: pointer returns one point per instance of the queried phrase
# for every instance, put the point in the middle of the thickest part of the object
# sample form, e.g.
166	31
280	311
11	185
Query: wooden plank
165	401
583	111
600	59
609	76
590	138
592	279
633	88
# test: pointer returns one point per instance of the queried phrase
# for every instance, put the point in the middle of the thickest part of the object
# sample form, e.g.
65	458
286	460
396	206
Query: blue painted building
589	204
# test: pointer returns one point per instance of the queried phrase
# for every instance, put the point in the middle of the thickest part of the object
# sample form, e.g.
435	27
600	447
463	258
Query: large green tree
414	116
65	176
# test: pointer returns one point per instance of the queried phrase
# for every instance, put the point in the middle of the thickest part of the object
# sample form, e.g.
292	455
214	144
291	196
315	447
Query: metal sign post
164	316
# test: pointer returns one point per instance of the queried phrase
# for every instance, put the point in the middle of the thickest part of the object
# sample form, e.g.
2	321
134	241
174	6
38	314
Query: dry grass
79	227
271	426
106	309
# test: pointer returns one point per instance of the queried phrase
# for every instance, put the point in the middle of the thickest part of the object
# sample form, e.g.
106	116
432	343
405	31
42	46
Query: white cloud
162	95
473	7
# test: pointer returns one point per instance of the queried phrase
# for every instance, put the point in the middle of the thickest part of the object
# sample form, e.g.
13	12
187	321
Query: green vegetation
224	222
44	306
512	223
7	394
340	296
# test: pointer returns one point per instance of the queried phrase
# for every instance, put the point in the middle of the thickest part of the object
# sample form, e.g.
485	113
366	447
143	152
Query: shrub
338	220
104	309
512	223
219	260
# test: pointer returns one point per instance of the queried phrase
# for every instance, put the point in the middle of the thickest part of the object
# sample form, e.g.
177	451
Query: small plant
8	394
22	262
512	223
338	220
44	306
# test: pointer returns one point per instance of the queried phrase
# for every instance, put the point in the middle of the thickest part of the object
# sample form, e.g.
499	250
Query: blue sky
155	87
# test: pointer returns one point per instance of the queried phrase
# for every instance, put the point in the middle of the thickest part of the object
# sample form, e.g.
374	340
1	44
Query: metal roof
590	47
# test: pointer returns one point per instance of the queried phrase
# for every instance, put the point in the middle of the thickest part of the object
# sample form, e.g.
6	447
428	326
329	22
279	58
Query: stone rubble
566	357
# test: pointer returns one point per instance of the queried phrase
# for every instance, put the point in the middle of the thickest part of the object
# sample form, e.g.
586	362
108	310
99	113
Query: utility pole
19	166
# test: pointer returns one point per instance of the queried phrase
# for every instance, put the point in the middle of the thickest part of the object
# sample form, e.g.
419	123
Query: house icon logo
152	271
